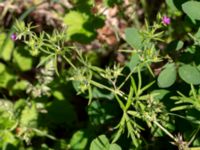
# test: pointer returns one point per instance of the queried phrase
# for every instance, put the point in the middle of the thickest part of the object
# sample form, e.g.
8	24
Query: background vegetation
99	74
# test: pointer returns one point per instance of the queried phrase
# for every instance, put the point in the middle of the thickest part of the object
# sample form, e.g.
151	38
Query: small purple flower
13	36
166	20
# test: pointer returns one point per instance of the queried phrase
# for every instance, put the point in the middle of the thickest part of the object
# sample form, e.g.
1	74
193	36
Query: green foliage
22	59
134	38
193	100
99	114
191	8
168	76
58	91
79	140
81	26
134	61
175	46
75	22
29	116
171	4
7	116
7	78
6	45
20	85
102	143
85	81
190	74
